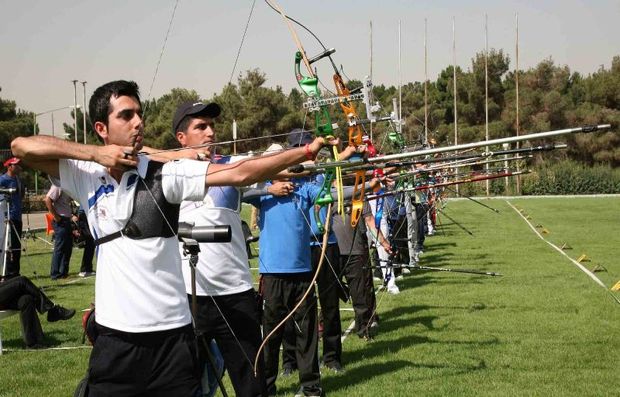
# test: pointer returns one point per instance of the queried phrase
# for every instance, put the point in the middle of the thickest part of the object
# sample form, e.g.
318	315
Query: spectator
86	241
19	293
58	203
10	180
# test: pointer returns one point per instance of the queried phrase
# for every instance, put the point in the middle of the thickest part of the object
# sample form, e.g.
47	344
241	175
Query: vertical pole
506	146
84	111
425	88
370	93
456	133
400	88
75	110
34	132
53	134
486	94
234	131
517	95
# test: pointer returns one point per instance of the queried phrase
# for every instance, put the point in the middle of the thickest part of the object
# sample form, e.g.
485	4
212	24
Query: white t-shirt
139	285
222	268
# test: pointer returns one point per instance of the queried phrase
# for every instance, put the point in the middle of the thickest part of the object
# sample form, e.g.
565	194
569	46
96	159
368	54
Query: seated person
19	293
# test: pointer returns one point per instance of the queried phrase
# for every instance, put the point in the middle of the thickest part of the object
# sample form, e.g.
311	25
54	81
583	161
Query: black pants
153	364
288	345
239	343
14	252
421	211
88	255
281	293
359	276
19	293
330	288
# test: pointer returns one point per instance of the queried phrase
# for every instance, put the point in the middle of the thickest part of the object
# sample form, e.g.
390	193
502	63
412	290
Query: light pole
34	117
84	111
34	132
75	112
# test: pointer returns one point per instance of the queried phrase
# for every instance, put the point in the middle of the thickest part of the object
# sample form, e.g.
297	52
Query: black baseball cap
299	137
194	108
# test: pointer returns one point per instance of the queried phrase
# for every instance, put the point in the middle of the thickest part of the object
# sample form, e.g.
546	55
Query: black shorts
144	364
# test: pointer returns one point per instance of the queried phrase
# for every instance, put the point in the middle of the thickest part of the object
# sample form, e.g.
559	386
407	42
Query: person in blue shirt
286	274
12	195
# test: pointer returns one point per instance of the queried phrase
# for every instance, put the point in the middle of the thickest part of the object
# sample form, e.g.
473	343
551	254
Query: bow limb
305	295
289	24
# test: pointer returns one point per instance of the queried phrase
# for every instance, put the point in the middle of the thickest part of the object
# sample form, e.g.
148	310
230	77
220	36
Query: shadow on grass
366	373
52	338
67	283
378	348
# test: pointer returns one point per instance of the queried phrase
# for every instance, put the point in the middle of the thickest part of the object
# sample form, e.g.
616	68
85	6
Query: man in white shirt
58	203
146	344
226	301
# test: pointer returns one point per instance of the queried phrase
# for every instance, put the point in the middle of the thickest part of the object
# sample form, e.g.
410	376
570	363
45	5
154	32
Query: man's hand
117	157
386	246
351	150
319	142
281	188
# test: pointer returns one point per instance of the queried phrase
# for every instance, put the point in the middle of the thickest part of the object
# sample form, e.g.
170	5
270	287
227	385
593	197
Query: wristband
309	154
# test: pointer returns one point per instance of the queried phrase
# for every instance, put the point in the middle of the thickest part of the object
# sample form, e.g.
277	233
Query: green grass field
543	328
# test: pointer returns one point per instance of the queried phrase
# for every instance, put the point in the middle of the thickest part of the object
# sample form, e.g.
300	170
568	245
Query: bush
569	177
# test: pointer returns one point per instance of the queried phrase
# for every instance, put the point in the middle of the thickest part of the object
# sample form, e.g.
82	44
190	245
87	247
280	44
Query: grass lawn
543	328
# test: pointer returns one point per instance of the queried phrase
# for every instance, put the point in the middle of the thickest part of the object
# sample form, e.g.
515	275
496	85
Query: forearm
253	193
377	234
247	172
50	207
43	147
43	152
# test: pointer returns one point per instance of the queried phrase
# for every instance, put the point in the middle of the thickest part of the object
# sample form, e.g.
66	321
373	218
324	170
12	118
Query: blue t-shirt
284	231
7	181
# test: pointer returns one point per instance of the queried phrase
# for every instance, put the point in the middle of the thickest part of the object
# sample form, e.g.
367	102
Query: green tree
91	137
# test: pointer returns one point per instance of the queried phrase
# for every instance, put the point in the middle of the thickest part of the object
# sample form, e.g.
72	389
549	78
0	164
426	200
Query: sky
46	44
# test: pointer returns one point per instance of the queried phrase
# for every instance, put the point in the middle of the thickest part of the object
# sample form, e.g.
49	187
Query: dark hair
99	105
185	122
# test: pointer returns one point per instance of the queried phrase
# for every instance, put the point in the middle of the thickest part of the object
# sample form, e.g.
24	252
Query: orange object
48	223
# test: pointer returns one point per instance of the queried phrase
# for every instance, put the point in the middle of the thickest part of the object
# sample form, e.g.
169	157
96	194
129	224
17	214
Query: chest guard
149	203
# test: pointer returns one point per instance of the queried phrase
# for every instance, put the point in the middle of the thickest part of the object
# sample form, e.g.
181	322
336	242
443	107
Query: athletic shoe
393	290
59	313
335	367
406	271
86	274
314	393
400	277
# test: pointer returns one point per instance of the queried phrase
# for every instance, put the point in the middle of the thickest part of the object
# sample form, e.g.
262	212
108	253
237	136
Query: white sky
46	44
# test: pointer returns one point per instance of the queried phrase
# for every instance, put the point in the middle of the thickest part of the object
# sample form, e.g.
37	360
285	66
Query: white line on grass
579	265
47	349
550	196
347	331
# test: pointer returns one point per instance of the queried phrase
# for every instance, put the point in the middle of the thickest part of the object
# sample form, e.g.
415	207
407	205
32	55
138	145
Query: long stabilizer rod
464	146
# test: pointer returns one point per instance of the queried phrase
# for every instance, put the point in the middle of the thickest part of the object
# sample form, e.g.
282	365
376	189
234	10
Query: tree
91	136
